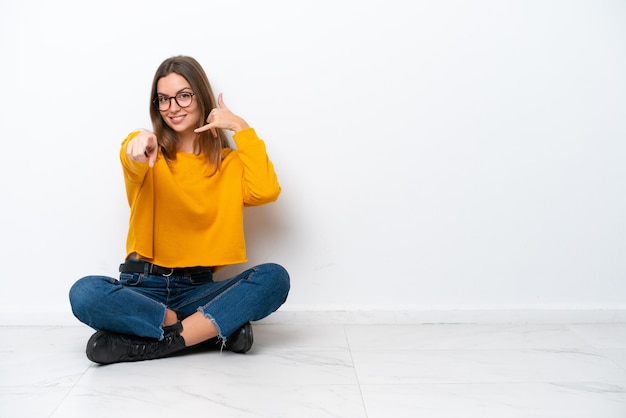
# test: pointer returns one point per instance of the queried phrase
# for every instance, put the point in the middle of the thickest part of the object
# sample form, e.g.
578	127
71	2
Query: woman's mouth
177	119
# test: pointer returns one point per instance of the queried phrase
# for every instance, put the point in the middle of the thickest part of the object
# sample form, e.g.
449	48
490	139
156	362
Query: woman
187	190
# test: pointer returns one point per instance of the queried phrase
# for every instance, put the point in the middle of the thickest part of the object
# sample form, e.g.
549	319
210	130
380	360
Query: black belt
138	266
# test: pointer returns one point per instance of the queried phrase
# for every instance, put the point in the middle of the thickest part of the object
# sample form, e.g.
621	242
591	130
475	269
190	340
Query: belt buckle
155	267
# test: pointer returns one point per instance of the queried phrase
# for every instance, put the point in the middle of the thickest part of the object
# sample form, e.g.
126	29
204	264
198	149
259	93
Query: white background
433	154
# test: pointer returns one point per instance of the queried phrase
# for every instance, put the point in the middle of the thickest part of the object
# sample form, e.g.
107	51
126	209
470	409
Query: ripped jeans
136	303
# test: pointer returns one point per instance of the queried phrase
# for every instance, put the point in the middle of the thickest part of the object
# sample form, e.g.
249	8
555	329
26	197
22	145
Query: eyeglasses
182	99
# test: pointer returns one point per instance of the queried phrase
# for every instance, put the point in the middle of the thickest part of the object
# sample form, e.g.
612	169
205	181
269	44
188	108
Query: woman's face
180	119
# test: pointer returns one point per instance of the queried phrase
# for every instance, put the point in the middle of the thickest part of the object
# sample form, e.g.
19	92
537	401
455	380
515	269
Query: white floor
429	371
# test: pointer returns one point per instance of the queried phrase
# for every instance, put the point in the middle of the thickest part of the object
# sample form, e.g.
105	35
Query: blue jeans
136	303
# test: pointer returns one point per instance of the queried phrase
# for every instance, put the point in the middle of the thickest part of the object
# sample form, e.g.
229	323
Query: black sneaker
107	347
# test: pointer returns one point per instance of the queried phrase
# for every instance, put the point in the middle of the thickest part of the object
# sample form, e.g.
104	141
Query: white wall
433	155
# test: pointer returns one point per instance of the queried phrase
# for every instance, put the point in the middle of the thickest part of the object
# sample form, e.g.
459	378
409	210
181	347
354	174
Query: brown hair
193	72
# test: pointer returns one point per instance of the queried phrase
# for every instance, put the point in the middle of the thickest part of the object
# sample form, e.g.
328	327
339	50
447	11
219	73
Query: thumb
152	158
220	102
151	151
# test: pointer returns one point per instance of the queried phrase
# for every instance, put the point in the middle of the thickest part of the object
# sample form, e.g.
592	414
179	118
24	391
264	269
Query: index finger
203	128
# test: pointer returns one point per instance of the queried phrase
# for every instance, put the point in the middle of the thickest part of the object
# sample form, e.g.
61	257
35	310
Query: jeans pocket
130	279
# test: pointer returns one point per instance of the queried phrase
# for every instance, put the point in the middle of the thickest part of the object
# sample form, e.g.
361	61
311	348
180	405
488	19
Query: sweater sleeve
259	182
139	182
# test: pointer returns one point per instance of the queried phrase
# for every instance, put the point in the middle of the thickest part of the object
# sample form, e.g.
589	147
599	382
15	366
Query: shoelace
147	348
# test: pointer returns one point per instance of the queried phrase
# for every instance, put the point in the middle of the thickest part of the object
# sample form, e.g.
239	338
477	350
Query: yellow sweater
180	217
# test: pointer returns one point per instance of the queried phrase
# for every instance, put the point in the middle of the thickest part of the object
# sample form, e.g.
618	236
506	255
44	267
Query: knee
83	292
278	278
80	289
